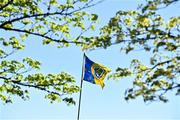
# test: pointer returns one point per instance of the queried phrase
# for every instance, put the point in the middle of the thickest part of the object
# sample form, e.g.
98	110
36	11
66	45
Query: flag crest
94	72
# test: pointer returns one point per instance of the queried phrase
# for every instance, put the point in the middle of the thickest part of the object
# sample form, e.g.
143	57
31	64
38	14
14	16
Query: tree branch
31	86
37	87
165	90
31	16
50	14
161	63
7	54
41	35
9	2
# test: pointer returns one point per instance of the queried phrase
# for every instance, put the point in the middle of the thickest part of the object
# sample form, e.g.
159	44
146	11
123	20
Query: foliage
50	20
145	29
55	22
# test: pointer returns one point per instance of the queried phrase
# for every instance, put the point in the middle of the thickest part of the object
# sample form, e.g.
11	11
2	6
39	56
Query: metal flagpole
79	106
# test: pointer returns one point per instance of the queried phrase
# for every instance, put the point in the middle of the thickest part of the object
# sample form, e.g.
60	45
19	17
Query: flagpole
81	86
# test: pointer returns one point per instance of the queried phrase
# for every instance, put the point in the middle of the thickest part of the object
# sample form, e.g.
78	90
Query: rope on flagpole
81	86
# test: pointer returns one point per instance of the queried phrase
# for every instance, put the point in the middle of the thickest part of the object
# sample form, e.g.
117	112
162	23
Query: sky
96	104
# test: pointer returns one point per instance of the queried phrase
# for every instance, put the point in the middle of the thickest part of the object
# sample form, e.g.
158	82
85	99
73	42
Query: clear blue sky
106	104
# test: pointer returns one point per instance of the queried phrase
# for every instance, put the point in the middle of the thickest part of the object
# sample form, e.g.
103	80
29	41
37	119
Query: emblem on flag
94	72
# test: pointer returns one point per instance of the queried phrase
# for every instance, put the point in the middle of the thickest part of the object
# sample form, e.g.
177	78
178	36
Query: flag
94	72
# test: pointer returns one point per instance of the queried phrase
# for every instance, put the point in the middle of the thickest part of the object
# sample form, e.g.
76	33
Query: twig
9	2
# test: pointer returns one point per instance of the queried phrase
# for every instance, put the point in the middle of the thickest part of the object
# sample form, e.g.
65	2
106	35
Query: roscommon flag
94	72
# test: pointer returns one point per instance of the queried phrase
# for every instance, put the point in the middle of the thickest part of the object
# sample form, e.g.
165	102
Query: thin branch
166	5
161	63
37	87
83	31
87	6
50	14
7	54
31	16
165	90
32	86
41	35
9	2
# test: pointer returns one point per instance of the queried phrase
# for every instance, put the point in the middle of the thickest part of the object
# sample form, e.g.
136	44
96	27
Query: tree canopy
145	29
52	21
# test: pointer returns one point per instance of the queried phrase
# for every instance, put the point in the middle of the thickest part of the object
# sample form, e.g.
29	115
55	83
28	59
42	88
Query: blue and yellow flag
93	72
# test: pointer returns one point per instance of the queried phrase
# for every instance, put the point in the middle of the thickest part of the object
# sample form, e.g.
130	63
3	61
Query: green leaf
94	17
46	41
